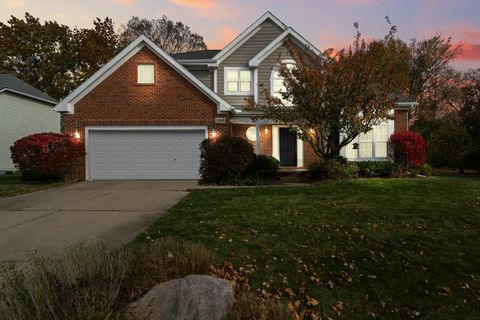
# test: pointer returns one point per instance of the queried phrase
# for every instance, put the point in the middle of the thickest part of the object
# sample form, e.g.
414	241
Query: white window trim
391	127
272	84
255	85
150	64
215	80
131	128
238	93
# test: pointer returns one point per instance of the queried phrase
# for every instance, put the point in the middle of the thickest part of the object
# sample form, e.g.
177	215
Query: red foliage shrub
43	156
409	148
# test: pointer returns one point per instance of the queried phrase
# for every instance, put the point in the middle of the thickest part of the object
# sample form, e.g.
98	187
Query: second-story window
238	81
278	85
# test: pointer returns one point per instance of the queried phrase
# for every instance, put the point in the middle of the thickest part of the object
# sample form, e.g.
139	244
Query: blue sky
324	23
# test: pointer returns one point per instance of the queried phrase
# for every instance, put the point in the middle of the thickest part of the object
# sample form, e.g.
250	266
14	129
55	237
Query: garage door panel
140	154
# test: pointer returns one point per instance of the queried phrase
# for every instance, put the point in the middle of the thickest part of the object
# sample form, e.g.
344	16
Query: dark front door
288	148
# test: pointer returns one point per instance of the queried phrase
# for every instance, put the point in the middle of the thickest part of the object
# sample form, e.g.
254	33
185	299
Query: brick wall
309	156
119	100
401	120
239	130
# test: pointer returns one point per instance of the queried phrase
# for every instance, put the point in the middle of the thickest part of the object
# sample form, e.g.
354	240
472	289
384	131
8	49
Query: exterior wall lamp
213	134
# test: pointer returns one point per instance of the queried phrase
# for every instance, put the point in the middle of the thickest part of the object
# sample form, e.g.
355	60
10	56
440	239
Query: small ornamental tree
409	148
329	99
225	159
46	156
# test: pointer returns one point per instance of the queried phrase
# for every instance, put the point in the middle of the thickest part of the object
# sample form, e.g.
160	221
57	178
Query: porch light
213	134
76	135
312	131
355	146
251	133
266	130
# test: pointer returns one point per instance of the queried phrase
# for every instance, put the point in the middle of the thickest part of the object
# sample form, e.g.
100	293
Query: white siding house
24	110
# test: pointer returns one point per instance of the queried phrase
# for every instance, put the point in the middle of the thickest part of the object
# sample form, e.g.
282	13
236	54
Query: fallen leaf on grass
444	291
312	301
289	291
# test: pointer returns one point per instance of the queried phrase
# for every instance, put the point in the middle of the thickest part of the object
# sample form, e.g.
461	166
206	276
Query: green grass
12	185
364	249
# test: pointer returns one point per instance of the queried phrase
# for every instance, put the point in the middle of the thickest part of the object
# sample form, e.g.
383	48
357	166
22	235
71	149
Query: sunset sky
324	23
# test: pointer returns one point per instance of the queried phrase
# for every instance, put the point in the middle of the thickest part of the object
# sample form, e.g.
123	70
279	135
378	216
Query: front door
288	148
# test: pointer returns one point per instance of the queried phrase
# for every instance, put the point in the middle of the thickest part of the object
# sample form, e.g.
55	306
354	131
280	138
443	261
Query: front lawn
359	249
12	185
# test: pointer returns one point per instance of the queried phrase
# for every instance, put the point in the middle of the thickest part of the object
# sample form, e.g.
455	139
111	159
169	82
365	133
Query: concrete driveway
111	211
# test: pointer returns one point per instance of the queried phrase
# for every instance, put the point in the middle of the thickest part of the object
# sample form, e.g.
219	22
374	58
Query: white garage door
144	154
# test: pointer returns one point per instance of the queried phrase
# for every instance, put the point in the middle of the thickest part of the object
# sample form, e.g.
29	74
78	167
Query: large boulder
196	297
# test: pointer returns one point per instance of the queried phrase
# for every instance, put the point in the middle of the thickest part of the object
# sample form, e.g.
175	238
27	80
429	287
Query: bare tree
171	36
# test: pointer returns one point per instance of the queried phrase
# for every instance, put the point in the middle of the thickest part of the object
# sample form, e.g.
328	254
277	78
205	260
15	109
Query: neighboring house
23	110
144	114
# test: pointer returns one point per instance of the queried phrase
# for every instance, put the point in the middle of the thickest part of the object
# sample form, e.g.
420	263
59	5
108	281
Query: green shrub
369	169
426	169
224	160
93	282
448	146
263	168
335	169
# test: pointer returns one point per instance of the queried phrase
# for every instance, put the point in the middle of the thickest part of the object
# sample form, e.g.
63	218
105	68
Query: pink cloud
15	3
124	2
361	2
201	4
226	35
470	52
469	36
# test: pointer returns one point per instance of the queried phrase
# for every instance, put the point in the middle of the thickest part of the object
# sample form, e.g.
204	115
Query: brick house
144	114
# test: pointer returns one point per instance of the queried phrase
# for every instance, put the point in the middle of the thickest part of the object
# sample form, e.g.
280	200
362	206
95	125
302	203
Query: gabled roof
67	104
203	54
275	44
247	34
11	83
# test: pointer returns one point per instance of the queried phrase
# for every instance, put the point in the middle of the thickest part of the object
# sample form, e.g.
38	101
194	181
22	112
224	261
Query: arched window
277	85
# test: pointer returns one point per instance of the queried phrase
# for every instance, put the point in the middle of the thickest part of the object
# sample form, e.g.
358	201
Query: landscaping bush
93	282
224	160
409	148
369	169
46	156
335	169
426	169
448	146
262	168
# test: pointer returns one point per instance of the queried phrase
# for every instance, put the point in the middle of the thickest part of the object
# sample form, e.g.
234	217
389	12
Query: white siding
21	116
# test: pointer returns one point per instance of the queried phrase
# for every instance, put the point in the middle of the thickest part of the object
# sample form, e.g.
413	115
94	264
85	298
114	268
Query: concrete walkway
114	212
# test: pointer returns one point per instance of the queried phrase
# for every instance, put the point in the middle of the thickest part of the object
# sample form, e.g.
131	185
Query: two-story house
144	114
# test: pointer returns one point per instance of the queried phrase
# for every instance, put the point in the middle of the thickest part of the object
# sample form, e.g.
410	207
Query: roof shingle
12	83
203	54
